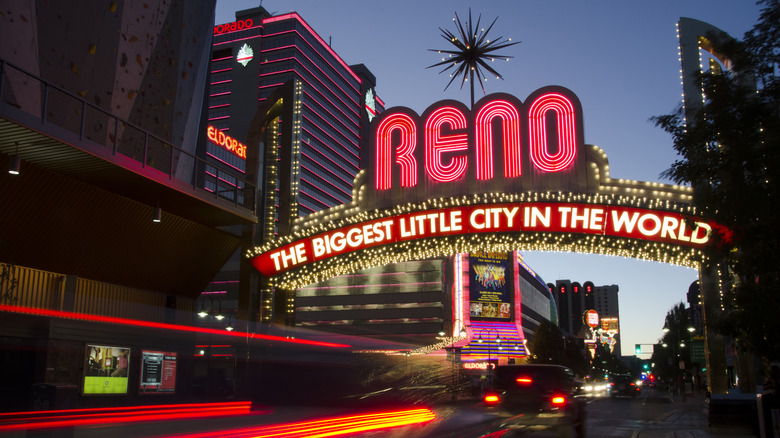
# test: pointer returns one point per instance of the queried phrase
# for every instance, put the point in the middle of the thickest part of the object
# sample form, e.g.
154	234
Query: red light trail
117	415
327	427
158	325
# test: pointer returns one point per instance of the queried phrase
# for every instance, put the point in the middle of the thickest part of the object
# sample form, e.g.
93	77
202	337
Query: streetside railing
54	106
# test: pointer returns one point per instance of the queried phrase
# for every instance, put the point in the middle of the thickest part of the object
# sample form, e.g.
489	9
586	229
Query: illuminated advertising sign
490	285
609	325
234	26
158	372
478	365
591	318
227	142
606	220
502	144
106	370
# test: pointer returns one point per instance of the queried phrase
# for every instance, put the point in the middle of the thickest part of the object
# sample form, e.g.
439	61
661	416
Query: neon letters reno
449	138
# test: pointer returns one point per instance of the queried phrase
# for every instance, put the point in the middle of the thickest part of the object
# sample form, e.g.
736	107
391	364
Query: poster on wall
106	369
490	286
158	372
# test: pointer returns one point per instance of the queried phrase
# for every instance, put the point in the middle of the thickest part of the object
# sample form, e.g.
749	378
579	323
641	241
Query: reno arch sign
505	174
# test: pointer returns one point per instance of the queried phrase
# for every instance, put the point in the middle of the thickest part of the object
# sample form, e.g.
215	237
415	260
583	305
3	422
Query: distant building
570	298
605	300
606	303
573	300
282	100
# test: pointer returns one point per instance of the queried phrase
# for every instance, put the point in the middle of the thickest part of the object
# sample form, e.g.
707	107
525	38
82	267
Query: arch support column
711	301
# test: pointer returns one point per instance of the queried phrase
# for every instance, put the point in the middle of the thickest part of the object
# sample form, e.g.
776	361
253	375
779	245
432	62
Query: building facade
279	89
100	121
402	302
574	300
503	302
462	298
282	100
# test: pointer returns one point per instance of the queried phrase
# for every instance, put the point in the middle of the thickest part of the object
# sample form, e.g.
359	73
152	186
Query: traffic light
638	348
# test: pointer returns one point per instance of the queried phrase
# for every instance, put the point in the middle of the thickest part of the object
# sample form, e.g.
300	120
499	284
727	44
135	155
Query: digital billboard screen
106	369
158	372
490	286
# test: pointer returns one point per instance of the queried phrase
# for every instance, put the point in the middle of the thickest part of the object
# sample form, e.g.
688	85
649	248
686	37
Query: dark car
624	385
532	396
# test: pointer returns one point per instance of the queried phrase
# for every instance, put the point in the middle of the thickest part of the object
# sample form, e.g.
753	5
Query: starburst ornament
472	53
370	104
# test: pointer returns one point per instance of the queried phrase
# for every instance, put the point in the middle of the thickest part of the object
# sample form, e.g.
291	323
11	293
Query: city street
649	415
308	219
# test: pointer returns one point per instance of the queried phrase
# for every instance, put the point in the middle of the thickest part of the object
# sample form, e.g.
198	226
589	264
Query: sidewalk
691	419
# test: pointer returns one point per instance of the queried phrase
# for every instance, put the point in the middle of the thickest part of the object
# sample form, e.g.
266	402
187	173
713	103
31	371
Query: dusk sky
620	57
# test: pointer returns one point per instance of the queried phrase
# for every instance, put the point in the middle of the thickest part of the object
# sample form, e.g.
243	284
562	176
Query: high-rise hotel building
277	89
281	99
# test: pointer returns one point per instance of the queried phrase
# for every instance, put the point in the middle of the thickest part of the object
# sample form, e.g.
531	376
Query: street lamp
462	334
674	358
678	384
498	341
231	322
203	313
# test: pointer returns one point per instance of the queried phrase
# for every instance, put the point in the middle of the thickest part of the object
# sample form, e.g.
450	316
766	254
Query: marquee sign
490	294
506	174
591	318
497	218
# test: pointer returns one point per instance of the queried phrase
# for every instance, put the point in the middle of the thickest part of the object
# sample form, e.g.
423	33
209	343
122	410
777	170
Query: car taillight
491	399
558	400
524	380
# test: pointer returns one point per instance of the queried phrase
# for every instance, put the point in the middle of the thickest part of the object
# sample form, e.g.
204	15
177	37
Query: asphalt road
650	415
